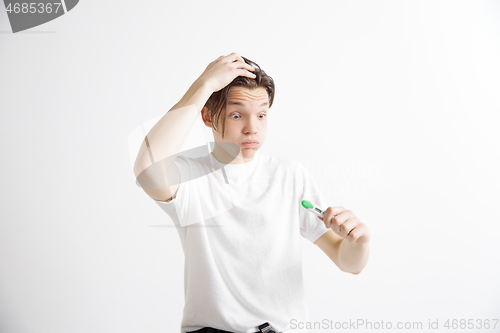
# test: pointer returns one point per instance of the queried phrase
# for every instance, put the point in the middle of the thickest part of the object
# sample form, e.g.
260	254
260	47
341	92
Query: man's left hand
345	224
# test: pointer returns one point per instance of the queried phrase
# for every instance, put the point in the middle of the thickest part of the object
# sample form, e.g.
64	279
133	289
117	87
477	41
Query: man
237	211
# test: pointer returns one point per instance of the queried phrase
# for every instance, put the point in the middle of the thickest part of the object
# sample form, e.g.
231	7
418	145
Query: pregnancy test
312	208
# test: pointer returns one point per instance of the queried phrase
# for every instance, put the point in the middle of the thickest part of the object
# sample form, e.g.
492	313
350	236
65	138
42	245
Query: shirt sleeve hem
317	235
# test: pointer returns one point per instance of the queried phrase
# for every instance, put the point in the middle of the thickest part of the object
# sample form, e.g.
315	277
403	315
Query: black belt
264	328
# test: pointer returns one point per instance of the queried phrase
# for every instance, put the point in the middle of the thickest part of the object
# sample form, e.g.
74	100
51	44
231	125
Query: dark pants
213	330
208	330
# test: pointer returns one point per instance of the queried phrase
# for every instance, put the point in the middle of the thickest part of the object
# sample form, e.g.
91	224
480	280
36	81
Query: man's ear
206	117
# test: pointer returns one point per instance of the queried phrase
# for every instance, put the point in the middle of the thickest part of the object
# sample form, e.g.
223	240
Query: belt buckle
266	328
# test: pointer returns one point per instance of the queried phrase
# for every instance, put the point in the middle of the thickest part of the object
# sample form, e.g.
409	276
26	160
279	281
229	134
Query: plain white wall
392	105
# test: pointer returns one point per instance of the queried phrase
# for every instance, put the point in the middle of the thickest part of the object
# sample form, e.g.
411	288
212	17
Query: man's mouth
249	143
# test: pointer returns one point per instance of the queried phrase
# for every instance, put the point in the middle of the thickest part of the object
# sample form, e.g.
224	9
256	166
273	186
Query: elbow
135	169
139	167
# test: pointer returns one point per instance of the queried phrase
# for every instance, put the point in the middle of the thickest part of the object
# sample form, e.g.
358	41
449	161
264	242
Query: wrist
203	85
198	94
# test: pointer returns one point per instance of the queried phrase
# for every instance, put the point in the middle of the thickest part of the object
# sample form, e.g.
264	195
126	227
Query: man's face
246	120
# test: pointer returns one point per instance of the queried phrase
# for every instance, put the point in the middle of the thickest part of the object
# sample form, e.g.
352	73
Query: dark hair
217	102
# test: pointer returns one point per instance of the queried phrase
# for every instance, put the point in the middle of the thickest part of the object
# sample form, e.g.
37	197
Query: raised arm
155	160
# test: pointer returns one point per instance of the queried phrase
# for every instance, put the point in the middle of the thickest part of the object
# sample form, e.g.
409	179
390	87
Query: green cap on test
307	204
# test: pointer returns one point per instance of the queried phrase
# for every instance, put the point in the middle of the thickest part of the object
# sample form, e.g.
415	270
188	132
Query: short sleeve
198	198
311	227
175	208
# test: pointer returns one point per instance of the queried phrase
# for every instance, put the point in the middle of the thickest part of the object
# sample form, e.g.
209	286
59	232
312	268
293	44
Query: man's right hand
223	70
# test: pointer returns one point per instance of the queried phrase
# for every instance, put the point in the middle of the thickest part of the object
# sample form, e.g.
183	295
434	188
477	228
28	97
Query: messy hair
217	102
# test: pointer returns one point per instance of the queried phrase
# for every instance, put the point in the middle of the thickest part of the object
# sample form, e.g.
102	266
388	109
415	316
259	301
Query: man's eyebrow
241	104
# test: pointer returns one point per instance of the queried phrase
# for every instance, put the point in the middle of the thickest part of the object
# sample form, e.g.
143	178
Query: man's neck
225	158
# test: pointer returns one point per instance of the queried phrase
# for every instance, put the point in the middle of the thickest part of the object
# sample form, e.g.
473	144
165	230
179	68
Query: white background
392	105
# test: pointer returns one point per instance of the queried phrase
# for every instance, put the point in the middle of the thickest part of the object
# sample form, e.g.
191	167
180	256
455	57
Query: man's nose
252	126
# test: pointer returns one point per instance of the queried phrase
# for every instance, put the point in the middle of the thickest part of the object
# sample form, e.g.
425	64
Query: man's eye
238	116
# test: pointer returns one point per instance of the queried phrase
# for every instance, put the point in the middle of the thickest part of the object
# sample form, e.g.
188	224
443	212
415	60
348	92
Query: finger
357	235
327	217
240	63
353	235
232	57
244	72
347	227
249	67
333	212
362	235
337	209
338	219
239	59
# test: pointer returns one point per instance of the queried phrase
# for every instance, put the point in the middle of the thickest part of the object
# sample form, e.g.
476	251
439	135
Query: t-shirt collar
236	171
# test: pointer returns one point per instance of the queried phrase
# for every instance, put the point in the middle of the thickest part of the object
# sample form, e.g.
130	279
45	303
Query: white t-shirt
240	228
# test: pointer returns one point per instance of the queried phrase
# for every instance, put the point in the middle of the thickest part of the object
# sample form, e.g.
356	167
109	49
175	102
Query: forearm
353	257
168	135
